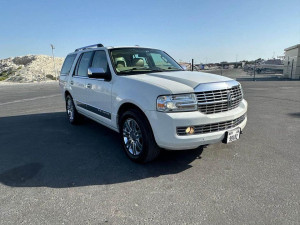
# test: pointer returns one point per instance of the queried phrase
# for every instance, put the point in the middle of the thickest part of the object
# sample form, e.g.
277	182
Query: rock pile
29	68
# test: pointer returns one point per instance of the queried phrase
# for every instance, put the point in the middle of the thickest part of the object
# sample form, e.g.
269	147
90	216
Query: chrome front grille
219	100
213	127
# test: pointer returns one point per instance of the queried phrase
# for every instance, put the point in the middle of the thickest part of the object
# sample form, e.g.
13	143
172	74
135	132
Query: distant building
291	67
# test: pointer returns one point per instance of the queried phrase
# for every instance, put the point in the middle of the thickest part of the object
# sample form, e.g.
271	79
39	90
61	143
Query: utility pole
292	69
52	47
192	64
254	70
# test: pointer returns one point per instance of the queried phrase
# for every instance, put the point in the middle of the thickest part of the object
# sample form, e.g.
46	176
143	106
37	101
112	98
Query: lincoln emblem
229	99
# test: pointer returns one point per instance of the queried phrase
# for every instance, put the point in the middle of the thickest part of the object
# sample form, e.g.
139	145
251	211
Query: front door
99	90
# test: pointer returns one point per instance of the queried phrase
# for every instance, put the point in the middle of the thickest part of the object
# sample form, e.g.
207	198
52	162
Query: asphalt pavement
54	173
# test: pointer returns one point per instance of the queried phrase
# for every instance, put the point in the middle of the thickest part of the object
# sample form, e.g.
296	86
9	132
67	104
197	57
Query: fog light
190	130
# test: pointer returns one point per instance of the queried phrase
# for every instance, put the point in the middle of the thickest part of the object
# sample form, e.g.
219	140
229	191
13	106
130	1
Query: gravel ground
54	173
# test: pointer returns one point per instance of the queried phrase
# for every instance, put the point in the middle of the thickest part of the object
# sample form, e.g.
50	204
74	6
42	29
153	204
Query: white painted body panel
78	89
164	127
99	96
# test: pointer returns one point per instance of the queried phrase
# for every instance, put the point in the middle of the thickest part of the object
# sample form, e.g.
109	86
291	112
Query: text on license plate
233	135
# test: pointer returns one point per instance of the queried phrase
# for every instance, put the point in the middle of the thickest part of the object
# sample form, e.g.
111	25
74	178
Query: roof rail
89	46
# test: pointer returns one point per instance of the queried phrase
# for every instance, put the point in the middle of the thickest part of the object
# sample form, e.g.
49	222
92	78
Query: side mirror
183	67
98	73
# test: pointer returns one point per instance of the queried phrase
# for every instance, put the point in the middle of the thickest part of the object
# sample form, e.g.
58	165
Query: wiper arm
169	69
158	70
136	69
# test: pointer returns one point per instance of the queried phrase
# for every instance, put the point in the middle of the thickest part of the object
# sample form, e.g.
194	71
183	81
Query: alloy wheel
70	109
132	137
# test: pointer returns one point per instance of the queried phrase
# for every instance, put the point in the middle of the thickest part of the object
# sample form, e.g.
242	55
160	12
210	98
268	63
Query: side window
65	70
84	64
100	61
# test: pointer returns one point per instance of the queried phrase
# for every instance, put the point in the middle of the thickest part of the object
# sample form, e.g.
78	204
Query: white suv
148	98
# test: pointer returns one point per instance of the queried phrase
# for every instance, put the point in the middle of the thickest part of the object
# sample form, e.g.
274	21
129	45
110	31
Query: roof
293	47
101	47
135	46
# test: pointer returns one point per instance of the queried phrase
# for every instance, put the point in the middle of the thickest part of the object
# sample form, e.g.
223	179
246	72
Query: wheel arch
152	149
127	106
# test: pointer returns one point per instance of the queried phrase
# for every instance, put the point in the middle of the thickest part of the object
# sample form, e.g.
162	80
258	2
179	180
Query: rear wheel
73	116
137	137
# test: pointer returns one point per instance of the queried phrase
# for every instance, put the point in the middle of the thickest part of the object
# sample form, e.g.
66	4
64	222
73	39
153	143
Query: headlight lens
177	103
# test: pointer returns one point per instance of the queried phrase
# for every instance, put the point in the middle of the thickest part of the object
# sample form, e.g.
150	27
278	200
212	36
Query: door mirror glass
98	73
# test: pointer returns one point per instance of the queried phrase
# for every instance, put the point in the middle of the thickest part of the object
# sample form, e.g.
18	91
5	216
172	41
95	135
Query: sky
207	31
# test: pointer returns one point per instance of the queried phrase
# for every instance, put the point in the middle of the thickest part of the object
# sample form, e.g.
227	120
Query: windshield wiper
138	69
135	69
169	69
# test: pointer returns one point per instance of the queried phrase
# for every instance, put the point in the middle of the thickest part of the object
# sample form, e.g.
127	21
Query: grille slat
214	127
217	101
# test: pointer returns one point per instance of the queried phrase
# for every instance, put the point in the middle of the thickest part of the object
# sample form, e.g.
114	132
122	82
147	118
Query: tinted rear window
68	64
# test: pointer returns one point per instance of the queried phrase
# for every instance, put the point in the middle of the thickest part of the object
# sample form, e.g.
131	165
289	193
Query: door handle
72	82
89	85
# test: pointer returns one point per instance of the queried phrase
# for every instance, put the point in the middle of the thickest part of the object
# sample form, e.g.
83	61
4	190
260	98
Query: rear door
79	79
99	90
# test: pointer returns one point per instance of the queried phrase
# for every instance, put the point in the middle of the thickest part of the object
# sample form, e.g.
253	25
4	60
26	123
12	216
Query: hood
179	81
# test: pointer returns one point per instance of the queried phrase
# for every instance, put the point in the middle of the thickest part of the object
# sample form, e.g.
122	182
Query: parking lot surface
54	173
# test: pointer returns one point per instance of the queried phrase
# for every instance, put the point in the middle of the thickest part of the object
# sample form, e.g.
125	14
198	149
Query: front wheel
137	137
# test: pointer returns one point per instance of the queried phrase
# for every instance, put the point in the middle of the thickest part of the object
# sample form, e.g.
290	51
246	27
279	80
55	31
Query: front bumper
164	127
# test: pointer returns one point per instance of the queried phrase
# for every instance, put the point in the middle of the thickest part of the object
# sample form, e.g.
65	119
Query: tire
138	143
72	113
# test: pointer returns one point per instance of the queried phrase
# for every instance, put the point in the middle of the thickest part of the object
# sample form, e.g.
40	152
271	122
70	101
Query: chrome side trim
85	77
93	109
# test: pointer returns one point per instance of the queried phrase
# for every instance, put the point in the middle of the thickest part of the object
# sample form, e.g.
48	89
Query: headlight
176	103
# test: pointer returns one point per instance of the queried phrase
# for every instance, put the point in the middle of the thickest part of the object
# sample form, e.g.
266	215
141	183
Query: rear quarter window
65	70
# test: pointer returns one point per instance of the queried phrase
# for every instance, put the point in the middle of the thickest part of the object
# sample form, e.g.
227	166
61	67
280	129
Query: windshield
142	60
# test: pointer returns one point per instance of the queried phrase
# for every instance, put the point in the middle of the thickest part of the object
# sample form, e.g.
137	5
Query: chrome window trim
86	77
